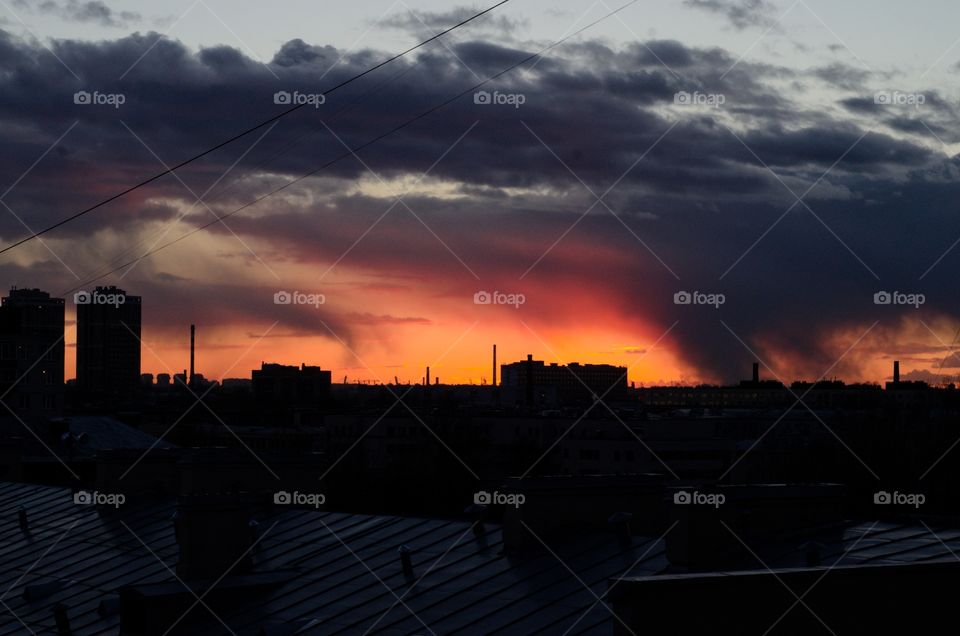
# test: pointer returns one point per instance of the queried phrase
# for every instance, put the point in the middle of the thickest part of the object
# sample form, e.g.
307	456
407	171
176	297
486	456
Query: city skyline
127	328
796	224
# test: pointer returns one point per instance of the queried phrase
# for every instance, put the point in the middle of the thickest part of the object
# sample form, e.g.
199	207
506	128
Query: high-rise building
108	341
31	352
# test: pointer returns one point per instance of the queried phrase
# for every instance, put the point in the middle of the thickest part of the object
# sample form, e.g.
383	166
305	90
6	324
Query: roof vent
620	522
109	606
476	512
62	620
406	562
255	530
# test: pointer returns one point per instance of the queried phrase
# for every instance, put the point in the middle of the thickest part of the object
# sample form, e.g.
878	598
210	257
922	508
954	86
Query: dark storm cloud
700	198
740	13
369	319
427	23
927	114
843	75
866	105
94	11
821	146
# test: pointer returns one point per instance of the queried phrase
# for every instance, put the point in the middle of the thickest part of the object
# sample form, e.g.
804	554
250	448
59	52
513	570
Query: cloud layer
797	213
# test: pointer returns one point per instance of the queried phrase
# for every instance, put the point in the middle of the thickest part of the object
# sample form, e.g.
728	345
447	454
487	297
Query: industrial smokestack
494	365
428	376
529	378
193	333
896	372
756	373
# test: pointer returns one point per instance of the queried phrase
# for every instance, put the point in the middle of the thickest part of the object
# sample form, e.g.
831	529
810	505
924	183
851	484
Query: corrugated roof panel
472	589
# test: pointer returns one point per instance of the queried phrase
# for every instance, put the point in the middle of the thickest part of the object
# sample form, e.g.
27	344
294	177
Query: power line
245	132
352	151
208	197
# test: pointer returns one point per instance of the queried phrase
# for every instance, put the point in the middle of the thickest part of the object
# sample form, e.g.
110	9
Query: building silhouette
534	382
108	342
31	352
290	385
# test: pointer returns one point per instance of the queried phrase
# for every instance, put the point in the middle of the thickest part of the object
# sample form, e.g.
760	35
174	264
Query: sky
789	168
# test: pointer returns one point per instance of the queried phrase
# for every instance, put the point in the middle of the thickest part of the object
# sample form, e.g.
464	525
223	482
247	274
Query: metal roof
346	572
348	575
103	433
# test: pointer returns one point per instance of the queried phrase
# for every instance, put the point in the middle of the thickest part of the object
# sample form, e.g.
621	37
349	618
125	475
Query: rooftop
342	571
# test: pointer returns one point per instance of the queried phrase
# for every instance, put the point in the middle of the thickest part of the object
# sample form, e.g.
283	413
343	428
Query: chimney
896	372
756	373
428	376
193	332
494	365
